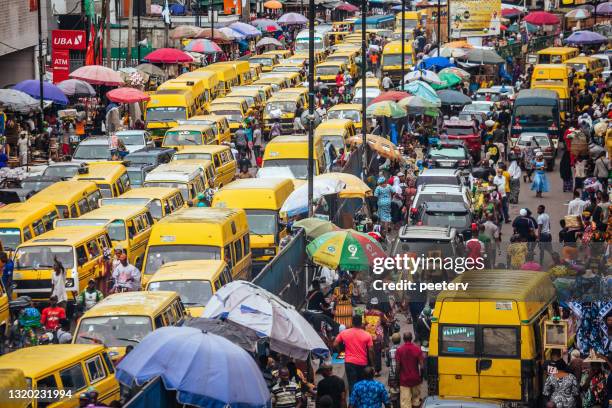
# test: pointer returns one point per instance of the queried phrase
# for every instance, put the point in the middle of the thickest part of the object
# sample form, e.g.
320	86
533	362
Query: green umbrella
348	250
386	108
449	80
315	226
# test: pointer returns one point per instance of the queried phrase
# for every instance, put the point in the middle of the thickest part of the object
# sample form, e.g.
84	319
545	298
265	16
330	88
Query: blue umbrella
245	29
424	90
206	370
585	37
436	63
50	91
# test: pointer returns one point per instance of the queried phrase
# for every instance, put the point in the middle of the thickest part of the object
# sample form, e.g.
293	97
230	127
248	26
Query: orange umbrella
273	4
459	44
382	146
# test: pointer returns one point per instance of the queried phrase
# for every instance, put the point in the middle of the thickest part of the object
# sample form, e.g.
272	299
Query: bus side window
73	211
169	316
229	258
81	255
132	230
159	322
38	227
148	220
27	234
217	160
93	248
247	244
83	206
238	249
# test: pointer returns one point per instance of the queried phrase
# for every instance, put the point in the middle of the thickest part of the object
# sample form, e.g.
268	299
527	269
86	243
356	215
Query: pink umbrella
347	7
97	75
541	18
127	95
168	56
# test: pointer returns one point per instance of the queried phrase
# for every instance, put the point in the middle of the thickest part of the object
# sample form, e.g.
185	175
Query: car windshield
262	222
450	180
396	59
336	140
266	62
192	292
181	186
437	198
131	139
183	138
159	255
477	107
328	70
61	171
444	219
35	185
540	140
341	58
447	153
192	156
141	159
232	115
345	114
492	96
578	67
534	115
284	106
114	331
459	130
92	152
43	257
286	69
10	238
135	176
299	167
166	114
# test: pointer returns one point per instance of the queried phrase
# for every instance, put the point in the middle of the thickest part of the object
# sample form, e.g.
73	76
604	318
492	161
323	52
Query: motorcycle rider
90	296
125	275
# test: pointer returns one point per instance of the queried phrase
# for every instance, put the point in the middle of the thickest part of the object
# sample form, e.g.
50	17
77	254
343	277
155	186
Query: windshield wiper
193	304
192	141
130	340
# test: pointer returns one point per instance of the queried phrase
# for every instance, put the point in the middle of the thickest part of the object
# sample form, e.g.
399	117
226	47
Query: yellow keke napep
211	84
20	222
71	198
188	135
350	111
165	108
191	179
266	61
262	200
67	369
195	281
281	107
111	177
128	227
227	74
221	157
161	201
486	340
124	319
80	251
336	132
292	152
242	69
219	124
199	234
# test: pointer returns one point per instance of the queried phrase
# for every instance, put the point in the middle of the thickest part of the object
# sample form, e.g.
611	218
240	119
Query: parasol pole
41	67
311	103
403	70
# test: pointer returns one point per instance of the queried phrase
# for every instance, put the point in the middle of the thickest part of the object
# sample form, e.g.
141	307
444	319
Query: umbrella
265	24
292	18
184	31
313	227
97	75
17	100
449	52
297	202
541	18
127	95
483	56
459	44
604	8
273	4
348	250
450	97
227	329
424	90
203	46
151	70
50	92
386	108
417	105
206	370
436	63
347	7
578	14
76	87
265	314
268	41
246	29
379	144
390	96
213	34
168	56
354	188
585	37
461	73
423	75
232	34
449	80
511	12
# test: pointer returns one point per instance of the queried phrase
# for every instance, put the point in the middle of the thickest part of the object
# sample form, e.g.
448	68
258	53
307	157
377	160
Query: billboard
475	18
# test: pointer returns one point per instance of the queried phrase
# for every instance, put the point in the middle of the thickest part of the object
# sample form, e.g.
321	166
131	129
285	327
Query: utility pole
403	71
364	143
246	10
41	66
311	103
438	34
128	59
107	40
211	20
138	13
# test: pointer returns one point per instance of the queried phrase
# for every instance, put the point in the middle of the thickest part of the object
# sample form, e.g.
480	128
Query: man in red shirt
52	314
358	349
409	361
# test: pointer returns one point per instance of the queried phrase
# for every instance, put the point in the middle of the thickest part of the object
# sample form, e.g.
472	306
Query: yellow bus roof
106	171
346	106
143	303
112	212
21	214
188	270
370	83
191	128
333	124
396	47
65	236
64	191
557	50
223	71
212	118
150	192
169	99
37	361
228	101
579	60
203	149
264	193
225	106
277	97
240	66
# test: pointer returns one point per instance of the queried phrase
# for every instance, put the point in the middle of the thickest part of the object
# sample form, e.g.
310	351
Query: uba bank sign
68	40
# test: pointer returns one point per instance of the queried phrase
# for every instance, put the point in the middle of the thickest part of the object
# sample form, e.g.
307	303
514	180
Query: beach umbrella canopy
268	316
604	8
347	250
449	80
387	109
541	18
50	92
417	105
213	34
273	4
292	18
184	31
449	52
461	73
97	75
314	227
232	34
168	56
380	145
354	188
347	7
266	41
127	95
483	56
246	29
390	96
18	101
578	14
265	24
206	370
151	70
203	46
511	12
450	97
297	202
436	63
424	90
227	329
76	87
585	38
423	75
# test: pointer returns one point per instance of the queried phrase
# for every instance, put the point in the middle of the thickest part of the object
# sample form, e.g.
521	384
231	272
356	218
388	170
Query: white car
94	148
443	193
135	139
371	93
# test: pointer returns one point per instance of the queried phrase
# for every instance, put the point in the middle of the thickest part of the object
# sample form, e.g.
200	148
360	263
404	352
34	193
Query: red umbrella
511	12
541	18
168	56
347	7
127	95
503	27
97	75
394	96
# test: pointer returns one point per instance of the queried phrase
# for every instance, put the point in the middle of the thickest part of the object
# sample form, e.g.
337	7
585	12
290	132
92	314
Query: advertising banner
68	40
474	18
61	65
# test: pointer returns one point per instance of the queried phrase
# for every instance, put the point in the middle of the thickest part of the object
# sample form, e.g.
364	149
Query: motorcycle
21	336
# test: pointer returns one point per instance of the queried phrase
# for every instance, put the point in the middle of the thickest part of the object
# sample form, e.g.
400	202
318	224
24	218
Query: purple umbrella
605	8
292	18
50	92
585	37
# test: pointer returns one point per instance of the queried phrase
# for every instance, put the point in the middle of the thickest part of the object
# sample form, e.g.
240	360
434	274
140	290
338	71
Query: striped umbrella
203	46
578	14
348	250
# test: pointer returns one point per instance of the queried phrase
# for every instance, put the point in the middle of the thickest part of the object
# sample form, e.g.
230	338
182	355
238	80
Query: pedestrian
244	172
579	171
257	140
126	275
298	127
23	145
58	283
52	314
601	170
383	193
275	129
594	389
540	181
90	296
387	83
375	322
7	273
576	206
565	171
393	376
369	393
500	182
561	387
286	393
515	179
63	333
358	349
331	386
422	327
544	235
524	227
410	363
241	141
527	158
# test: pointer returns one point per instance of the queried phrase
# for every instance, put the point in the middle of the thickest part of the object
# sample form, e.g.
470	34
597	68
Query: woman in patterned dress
561	387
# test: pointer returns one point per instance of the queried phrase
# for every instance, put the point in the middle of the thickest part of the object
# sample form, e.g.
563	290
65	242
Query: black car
15	191
151	156
138	173
448	155
445	214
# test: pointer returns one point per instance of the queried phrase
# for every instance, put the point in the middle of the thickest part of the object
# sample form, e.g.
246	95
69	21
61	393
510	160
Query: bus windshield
166	114
159	255
535	115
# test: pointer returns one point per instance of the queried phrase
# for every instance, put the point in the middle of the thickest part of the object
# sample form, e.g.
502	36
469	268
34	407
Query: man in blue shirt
7	272
369	393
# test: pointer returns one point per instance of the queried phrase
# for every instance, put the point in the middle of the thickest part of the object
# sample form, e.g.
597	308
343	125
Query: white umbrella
423	75
18	101
232	34
254	308
449	52
297	202
268	41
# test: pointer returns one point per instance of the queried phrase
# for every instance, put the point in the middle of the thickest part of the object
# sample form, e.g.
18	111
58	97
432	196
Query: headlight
69	282
269	251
